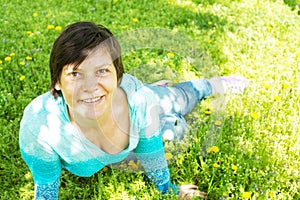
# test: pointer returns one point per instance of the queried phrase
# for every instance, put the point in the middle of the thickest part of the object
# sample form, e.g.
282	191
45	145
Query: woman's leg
176	101
182	97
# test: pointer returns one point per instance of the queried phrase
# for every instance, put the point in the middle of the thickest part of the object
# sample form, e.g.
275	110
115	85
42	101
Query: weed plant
247	150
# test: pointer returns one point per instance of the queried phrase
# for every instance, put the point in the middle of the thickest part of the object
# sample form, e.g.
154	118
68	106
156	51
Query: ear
57	87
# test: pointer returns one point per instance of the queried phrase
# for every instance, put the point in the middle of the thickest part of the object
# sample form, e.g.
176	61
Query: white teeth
92	100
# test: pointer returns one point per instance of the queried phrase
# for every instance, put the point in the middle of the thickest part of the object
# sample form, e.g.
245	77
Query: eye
103	71
74	74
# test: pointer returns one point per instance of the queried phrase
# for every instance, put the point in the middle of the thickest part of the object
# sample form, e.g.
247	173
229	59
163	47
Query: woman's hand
190	191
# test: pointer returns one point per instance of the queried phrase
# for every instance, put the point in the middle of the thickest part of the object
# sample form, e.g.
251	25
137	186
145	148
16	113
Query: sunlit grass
250	150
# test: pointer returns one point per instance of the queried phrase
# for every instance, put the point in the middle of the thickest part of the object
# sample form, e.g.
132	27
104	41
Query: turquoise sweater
49	142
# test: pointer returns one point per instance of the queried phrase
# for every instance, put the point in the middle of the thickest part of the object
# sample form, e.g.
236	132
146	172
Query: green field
255	138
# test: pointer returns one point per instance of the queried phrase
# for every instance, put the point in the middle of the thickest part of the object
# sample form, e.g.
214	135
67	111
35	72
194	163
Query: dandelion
35	14
276	98
7	59
28	58
234	167
135	20
279	43
12	54
125	26
218	123
28	176
22	63
215	165
169	156
207	112
29	32
297	55
170	54
50	27
58	28
270	28
132	165
246	195
210	41
267	86
285	85
0	62
254	115
22	78
105	169
214	149
271	194
209	23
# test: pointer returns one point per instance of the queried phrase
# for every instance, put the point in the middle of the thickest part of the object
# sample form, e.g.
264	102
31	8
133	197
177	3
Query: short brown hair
74	44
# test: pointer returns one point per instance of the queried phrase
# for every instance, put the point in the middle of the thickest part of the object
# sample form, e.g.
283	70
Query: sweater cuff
168	188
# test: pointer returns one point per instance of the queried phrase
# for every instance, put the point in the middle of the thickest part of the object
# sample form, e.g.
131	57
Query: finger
188	186
198	193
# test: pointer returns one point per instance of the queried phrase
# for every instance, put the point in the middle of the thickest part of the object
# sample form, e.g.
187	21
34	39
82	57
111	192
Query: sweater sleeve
150	152
42	160
150	148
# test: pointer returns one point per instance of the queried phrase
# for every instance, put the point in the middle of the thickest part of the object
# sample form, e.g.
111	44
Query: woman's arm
46	191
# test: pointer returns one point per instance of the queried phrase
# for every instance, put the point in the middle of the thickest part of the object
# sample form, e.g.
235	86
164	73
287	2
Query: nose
90	84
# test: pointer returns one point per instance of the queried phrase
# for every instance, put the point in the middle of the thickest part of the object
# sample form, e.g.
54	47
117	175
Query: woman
96	115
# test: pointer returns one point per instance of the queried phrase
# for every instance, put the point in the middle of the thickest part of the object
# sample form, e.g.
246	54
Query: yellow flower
170	54
285	85
0	62
218	123
12	54
297	55
28	176
58	28
254	115
125	26
214	149
22	78
105	169
267	86
22	63
7	59
209	23
210	41
215	165
246	195
50	27
28	58
276	98
270	28
35	14
169	156
279	43
135	20
271	194
29	33
234	167
208	112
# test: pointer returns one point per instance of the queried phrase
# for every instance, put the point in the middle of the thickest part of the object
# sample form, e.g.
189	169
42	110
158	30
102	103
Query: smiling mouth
93	100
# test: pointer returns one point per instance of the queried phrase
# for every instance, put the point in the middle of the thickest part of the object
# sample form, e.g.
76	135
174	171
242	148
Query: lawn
238	146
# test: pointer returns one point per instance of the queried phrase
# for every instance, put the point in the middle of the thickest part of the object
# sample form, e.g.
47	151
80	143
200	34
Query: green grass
259	130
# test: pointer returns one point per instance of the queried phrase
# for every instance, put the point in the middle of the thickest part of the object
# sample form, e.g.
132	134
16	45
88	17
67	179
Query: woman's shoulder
40	108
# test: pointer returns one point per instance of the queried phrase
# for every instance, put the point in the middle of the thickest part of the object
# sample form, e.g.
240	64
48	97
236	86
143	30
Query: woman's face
89	89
